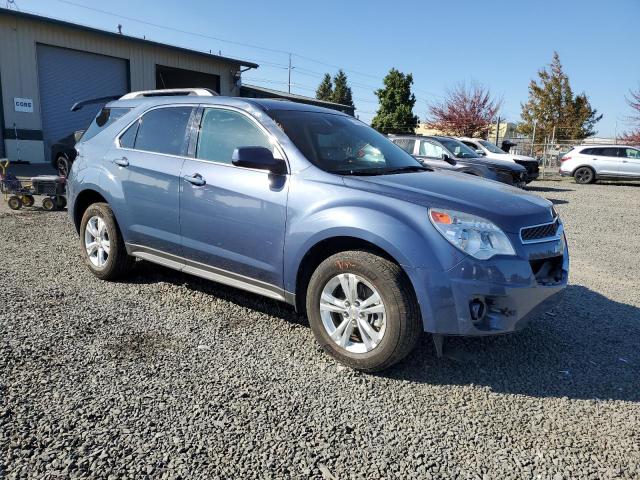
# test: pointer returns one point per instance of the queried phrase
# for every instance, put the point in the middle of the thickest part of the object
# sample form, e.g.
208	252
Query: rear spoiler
78	105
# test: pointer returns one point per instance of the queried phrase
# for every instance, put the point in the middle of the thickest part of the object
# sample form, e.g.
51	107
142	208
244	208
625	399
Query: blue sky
497	43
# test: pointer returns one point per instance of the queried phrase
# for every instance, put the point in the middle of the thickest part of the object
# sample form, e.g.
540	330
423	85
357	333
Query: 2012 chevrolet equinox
312	207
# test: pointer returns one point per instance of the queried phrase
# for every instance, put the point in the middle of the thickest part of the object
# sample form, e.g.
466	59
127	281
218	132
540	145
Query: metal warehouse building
47	65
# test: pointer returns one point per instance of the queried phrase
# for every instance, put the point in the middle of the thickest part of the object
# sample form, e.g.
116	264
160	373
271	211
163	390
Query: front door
146	163
630	165
232	219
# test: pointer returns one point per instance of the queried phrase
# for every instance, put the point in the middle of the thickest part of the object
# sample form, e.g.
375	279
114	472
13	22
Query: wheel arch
590	167
327	247
83	200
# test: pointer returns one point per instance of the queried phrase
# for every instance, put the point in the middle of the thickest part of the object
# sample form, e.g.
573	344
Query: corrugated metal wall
18	64
67	76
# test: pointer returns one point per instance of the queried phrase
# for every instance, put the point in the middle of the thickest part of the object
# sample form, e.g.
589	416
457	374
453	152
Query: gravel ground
169	376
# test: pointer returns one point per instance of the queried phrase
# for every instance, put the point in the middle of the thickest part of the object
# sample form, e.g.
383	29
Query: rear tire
106	257
62	165
584	175
28	200
48	204
385	338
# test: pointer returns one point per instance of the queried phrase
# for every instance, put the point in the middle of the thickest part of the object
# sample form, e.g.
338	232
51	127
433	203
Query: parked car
63	152
276	198
450	154
491	151
590	163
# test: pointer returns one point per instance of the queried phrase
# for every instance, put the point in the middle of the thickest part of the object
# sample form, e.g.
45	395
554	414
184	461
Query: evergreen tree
552	103
395	113
325	89
341	90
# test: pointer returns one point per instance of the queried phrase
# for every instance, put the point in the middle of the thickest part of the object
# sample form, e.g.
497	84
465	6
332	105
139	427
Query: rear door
146	162
605	160
232	219
630	162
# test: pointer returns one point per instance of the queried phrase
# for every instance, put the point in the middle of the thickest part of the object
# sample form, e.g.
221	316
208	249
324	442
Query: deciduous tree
396	102
633	136
464	112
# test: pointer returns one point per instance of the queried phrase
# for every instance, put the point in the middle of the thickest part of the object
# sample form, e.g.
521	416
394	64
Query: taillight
564	159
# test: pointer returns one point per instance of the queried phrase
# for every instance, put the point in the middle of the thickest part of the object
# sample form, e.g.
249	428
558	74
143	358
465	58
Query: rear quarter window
106	116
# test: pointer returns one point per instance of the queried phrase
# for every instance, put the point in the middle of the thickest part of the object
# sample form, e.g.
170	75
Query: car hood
492	162
508	207
524	158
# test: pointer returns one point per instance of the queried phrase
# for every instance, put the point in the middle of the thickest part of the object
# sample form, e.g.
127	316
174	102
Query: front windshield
491	147
459	149
341	144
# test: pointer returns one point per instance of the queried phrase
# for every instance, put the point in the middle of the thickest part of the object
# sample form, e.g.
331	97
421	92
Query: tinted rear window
164	130
106	116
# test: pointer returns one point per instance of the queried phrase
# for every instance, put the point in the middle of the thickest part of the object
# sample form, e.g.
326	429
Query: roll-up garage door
67	76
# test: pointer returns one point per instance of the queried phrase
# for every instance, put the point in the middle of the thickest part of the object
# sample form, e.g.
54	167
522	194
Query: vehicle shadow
557	201
585	348
547	189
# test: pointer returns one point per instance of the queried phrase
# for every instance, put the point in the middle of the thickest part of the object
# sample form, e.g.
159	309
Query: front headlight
475	236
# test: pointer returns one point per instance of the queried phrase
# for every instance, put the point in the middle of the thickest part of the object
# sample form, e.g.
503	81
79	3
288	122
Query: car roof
266	104
604	145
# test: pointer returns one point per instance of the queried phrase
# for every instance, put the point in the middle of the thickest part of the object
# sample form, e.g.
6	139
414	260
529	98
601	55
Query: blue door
147	164
232	219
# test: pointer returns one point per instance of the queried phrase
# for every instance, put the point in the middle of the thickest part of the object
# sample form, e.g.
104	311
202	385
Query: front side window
632	153
106	116
163	130
341	144
459	149
428	149
222	131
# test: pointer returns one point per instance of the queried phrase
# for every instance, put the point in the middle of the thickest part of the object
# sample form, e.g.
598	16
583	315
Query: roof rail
199	92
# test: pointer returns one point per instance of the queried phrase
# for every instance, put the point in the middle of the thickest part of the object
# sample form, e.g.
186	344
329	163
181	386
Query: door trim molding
208	272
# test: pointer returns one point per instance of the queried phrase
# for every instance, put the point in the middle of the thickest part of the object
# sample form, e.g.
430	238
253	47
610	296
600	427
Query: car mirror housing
480	152
260	158
447	158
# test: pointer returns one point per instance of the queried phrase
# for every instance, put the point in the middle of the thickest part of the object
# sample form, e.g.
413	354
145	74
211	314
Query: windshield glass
491	147
341	144
459	149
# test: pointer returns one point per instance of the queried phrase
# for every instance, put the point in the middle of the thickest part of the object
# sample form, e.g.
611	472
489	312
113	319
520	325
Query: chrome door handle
195	179
123	162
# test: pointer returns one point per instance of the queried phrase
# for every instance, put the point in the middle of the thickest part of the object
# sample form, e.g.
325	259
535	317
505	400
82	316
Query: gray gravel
169	376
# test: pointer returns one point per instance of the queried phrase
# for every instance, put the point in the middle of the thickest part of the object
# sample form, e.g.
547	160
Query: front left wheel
101	243
363	311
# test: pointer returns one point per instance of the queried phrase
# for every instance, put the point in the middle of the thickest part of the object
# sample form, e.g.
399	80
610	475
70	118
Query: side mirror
448	159
258	157
480	152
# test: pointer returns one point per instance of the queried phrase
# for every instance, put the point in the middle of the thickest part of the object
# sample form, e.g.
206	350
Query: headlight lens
475	236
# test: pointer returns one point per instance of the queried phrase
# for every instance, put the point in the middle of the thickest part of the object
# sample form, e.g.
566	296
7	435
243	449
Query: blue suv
314	208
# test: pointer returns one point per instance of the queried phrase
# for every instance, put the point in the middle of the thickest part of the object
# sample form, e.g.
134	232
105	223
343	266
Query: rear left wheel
363	311
584	175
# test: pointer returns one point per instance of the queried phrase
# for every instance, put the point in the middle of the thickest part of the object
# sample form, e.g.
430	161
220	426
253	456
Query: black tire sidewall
14	203
590	178
111	268
391	298
60	159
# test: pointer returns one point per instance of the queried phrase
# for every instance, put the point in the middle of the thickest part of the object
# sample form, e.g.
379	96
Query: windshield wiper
408	168
383	171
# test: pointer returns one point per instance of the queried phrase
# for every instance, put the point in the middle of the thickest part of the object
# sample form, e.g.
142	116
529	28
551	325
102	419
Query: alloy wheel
353	313
96	241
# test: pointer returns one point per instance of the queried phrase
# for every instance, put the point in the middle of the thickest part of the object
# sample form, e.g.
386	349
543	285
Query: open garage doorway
170	77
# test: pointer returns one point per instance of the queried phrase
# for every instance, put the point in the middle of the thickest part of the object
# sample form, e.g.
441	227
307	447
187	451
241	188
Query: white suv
588	163
493	152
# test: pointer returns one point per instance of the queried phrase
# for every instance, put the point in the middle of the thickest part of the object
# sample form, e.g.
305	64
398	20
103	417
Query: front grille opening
539	232
548	271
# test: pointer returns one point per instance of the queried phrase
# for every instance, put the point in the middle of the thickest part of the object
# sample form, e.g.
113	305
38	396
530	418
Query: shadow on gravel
557	201
547	189
586	348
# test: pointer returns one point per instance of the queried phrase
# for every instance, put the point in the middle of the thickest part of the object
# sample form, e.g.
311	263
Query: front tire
62	165
584	175
363	311
101	243
14	202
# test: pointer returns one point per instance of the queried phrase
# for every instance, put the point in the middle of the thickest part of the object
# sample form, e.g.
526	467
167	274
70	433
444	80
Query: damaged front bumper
495	296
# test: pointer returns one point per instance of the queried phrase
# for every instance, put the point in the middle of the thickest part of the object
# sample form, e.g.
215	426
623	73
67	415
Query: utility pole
289	73
497	129
533	138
